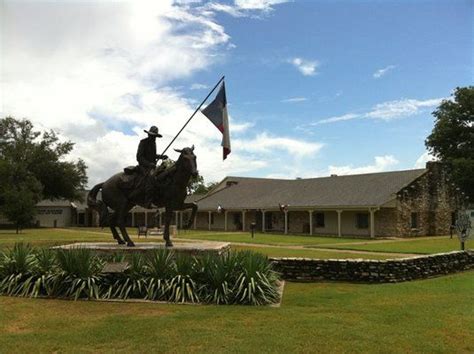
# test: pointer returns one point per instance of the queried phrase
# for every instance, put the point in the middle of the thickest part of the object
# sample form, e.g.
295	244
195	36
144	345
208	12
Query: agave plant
257	282
182	287
130	284
160	268
80	273
16	267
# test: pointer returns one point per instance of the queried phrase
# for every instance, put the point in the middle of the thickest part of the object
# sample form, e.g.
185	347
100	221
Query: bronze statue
163	187
147	159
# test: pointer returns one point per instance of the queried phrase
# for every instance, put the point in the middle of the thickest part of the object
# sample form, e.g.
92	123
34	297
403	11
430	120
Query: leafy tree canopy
452	138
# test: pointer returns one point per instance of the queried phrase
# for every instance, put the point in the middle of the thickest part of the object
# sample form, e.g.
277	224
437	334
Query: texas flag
216	111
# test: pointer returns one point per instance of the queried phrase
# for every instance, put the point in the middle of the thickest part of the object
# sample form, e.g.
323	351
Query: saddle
135	178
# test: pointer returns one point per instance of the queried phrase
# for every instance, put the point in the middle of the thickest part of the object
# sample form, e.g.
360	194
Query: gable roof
372	189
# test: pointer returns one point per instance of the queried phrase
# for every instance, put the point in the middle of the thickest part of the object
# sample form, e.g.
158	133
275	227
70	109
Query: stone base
190	248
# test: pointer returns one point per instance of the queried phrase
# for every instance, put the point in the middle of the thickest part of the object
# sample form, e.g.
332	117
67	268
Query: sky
313	87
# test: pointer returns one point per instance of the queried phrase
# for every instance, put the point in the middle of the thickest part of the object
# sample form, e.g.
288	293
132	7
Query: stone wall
434	197
374	271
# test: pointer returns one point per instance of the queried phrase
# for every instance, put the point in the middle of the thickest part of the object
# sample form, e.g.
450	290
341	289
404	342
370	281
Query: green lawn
50	237
423	246
263	238
308	253
430	316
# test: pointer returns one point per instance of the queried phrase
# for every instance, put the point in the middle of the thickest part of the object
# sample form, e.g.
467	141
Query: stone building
399	203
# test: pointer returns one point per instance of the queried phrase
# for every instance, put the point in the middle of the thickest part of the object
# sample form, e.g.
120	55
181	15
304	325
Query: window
319	219
414	220
362	220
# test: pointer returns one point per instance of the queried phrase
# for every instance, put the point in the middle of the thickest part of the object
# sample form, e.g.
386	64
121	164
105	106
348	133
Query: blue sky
314	87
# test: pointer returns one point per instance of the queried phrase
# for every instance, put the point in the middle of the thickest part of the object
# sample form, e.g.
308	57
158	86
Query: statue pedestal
189	248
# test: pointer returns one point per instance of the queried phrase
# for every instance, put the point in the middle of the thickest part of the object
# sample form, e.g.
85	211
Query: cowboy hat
153	131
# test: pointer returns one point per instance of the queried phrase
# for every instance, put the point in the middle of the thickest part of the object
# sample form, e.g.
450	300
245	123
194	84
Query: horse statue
168	192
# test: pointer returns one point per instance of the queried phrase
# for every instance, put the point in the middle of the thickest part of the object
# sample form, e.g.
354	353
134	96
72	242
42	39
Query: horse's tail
98	205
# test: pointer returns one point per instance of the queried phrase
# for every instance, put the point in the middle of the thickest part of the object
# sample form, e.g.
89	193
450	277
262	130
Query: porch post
181	218
209	219
146	218
225	220
243	220
310	222
372	222
339	231
286	222
263	220
195	221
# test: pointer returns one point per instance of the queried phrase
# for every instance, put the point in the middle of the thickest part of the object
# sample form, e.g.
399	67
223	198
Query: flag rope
197	109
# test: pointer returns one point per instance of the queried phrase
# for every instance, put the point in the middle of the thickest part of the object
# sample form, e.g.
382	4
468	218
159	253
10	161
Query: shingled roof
372	189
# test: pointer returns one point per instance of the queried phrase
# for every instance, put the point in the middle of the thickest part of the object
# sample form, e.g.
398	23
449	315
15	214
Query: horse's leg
166	232
113	225
194	208
121	220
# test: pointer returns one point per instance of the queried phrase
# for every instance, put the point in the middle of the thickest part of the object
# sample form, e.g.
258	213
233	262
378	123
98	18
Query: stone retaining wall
374	271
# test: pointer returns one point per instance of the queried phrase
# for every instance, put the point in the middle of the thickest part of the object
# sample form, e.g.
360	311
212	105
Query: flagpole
197	109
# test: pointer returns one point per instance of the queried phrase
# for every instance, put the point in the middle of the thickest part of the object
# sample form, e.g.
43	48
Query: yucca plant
129	284
16	266
182	287
43	272
217	274
257	283
160	268
80	273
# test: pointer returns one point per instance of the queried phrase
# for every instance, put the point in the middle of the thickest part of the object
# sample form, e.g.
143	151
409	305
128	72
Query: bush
79	274
235	278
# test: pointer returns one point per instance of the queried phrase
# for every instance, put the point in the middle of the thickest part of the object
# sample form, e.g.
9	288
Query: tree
452	138
33	166
197	185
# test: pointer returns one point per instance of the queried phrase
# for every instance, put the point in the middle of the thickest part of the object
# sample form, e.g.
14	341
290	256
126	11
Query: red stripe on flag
226	152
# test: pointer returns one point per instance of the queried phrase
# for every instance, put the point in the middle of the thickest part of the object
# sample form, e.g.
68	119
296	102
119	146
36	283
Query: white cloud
245	8
305	67
100	83
381	163
382	72
387	111
401	108
343	117
265	5
423	159
199	87
294	100
265	143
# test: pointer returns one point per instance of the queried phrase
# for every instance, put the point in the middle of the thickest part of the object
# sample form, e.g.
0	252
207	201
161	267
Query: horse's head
187	160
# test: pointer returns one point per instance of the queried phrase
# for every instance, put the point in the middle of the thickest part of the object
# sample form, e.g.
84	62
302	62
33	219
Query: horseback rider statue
147	160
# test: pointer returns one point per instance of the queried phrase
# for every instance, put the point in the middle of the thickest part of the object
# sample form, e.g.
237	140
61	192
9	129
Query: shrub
129	284
234	278
182	288
257	283
16	269
80	273
160	268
